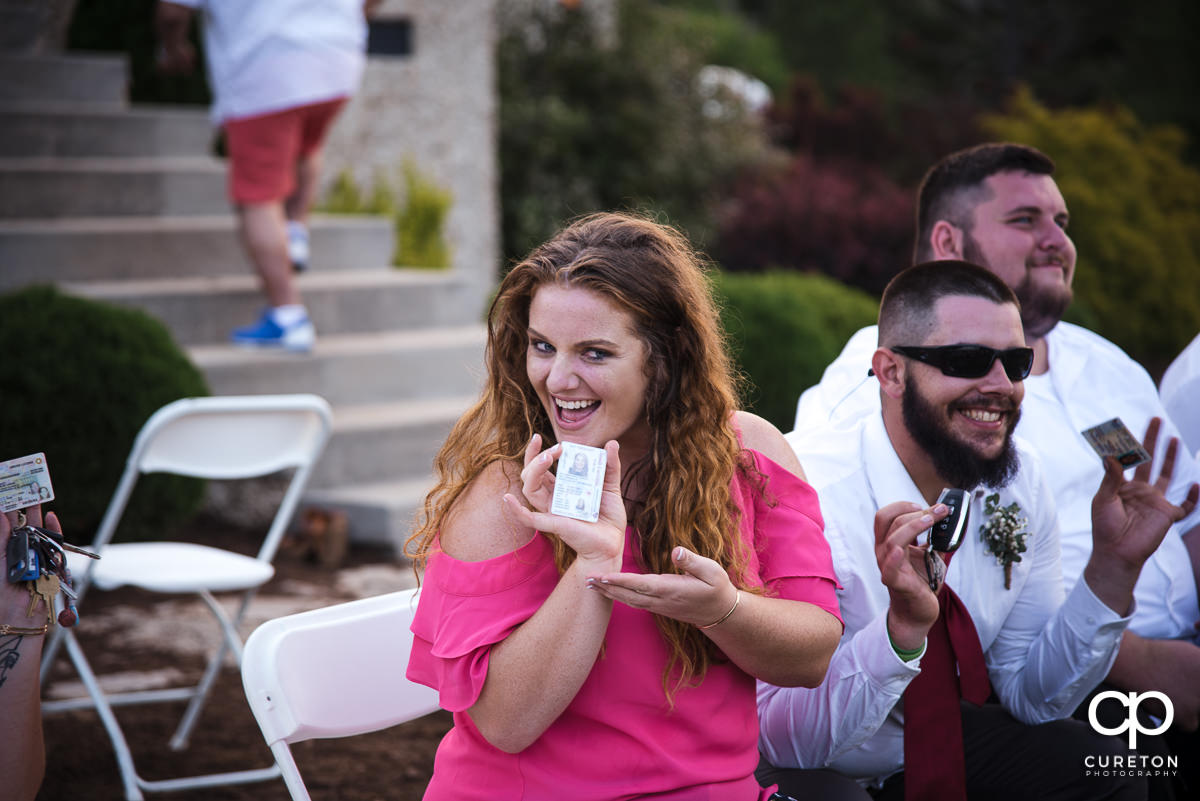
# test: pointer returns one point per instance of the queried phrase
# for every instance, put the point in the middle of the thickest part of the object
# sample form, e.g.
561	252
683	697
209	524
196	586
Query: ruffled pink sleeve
794	560
466	608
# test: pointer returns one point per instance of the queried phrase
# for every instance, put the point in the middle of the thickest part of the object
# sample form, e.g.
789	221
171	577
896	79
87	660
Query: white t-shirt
1179	389
270	55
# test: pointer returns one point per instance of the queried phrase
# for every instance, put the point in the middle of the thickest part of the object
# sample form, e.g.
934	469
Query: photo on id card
578	482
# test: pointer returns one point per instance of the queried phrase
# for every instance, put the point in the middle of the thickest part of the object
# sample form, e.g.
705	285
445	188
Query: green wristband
907	656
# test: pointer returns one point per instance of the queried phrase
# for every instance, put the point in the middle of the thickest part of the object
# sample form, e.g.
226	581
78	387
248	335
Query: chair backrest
228	437
232	436
333	672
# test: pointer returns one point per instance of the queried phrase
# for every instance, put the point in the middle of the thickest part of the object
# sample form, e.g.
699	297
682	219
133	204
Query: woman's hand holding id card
578	482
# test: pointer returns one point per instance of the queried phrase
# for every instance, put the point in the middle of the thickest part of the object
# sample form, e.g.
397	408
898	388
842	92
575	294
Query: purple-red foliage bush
848	221
854	127
843	203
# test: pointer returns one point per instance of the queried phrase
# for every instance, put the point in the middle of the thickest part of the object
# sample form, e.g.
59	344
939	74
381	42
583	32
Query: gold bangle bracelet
737	599
7	629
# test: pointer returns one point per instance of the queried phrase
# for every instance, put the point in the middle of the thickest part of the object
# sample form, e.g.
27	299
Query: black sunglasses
972	361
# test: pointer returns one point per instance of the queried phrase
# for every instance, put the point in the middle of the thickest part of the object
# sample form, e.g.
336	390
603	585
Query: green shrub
784	328
1135	219
343	196
590	121
420	221
84	378
419	218
729	39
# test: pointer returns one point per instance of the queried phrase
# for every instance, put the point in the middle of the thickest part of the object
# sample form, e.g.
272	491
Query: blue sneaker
267	333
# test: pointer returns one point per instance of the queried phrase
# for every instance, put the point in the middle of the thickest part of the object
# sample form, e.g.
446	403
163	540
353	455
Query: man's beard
1041	309
955	461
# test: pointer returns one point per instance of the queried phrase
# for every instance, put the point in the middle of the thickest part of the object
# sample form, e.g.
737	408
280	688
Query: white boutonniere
1004	533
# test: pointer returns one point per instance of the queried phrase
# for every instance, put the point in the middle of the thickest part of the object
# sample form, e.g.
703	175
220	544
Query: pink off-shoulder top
619	738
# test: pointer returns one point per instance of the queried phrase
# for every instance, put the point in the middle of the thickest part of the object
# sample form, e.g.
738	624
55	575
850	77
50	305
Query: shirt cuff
885	667
1090	617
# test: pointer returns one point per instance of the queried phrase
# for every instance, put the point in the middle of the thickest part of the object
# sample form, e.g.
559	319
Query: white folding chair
230	437
332	672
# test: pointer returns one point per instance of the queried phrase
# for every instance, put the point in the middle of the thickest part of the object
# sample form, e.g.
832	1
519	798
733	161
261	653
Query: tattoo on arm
9	655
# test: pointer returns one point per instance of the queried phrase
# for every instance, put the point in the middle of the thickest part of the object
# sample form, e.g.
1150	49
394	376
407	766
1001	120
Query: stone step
390	441
79	77
87	187
120	248
382	514
63	130
355	368
206	309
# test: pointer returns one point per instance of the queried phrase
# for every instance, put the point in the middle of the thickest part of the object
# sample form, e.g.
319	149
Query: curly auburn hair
650	271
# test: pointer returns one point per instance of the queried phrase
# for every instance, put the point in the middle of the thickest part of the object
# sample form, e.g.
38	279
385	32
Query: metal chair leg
132	782
129	777
229	640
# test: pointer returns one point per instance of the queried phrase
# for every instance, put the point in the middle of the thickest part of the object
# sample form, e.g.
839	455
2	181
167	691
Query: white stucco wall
439	107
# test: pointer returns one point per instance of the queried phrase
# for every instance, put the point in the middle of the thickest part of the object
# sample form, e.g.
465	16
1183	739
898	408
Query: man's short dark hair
906	312
946	189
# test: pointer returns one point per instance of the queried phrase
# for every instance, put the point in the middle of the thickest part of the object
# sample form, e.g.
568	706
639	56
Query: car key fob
946	534
22	560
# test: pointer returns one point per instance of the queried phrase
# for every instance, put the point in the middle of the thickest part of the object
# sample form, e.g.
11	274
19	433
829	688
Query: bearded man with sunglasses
997	205
908	708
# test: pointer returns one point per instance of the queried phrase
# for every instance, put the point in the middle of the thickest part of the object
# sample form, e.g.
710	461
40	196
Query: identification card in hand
24	482
578	482
1114	439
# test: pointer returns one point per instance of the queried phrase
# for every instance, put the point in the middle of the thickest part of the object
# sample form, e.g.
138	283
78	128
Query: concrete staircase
121	205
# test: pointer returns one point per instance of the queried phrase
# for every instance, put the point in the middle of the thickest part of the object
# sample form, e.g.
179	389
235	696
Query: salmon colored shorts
264	150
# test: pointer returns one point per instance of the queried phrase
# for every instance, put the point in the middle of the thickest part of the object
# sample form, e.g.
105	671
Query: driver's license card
24	482
1114	439
578	482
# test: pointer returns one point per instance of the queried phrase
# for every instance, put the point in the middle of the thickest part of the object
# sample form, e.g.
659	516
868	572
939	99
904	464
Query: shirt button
1091	620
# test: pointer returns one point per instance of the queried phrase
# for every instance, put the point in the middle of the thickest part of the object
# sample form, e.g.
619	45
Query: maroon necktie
934	767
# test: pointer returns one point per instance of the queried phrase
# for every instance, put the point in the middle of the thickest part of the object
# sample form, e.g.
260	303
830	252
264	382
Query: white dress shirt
269	55
1179	389
1044	654
1090	381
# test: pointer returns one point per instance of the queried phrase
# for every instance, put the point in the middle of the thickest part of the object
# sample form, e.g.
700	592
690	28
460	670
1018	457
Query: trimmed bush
784	328
854	225
83	379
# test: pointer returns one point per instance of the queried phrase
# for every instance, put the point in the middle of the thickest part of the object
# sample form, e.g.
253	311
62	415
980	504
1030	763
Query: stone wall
437	106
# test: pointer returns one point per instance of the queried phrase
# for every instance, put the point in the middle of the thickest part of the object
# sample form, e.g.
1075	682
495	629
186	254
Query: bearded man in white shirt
950	369
998	205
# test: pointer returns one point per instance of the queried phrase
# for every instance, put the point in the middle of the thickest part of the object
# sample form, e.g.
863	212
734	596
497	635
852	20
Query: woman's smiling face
588	367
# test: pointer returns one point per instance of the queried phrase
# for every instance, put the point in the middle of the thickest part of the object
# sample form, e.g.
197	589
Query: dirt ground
135	634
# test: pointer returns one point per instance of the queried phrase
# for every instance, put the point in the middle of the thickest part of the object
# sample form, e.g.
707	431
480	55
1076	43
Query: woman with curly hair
614	659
